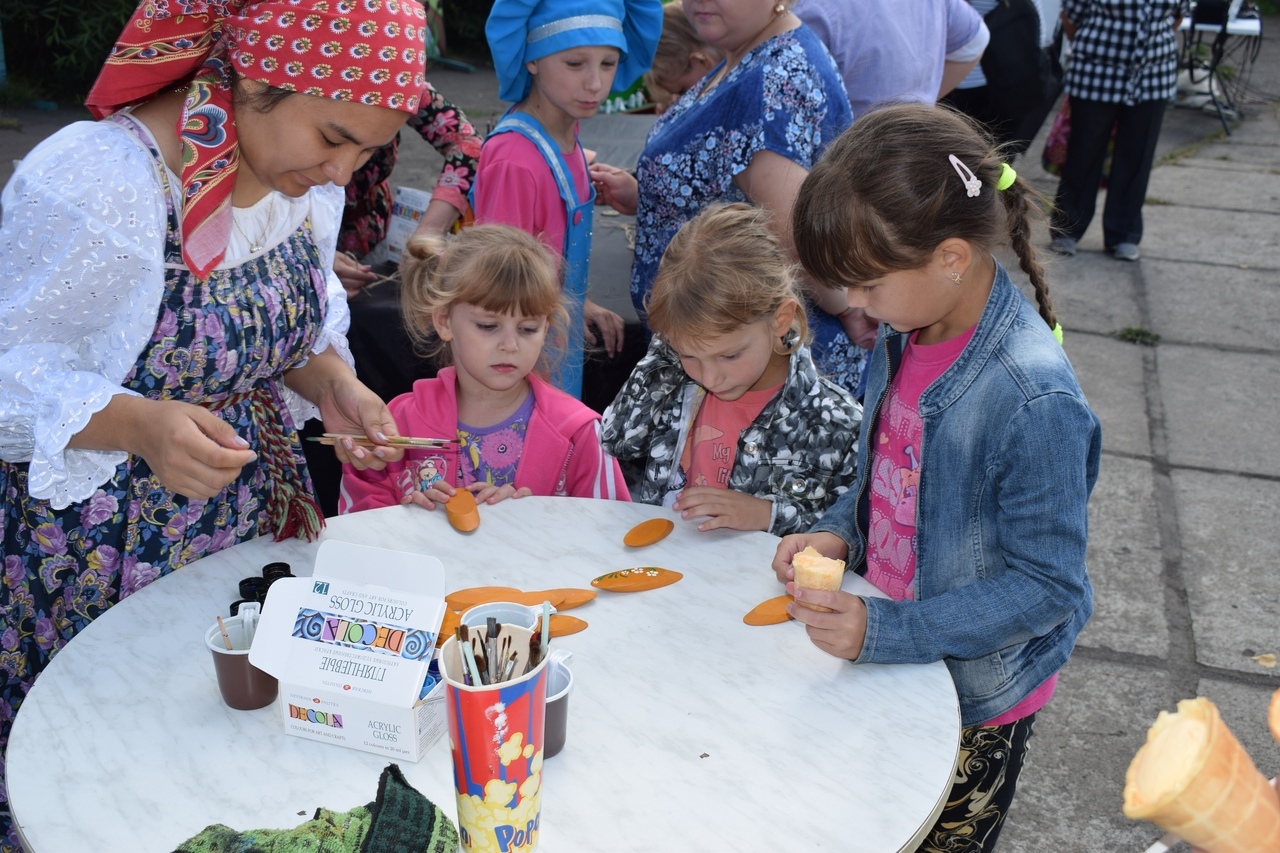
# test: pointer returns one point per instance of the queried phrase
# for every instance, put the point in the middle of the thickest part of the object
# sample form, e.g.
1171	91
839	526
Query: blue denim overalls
567	373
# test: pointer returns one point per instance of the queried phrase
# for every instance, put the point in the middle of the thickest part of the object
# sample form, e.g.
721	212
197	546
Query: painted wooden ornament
451	621
648	532
562	625
462	511
569	597
465	599
535	599
636	580
769	612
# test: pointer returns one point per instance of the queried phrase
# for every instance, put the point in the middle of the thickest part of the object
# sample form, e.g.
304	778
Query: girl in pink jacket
490	300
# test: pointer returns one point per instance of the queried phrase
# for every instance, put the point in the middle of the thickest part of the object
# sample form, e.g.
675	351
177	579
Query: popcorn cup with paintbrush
496	712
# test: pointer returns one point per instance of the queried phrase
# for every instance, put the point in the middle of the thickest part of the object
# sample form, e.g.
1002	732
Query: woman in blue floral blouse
748	131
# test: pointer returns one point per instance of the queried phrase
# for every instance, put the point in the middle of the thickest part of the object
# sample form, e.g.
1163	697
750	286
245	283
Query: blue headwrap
521	31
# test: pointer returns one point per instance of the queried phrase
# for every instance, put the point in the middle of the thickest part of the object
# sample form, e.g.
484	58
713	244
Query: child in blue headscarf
559	60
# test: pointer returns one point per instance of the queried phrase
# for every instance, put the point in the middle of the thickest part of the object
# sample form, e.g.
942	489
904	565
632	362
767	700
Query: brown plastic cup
559	686
243	686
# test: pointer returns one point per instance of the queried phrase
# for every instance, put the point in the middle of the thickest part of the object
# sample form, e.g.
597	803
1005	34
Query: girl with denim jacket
969	509
726	416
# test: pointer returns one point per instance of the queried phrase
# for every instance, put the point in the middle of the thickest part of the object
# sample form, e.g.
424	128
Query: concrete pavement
1184	547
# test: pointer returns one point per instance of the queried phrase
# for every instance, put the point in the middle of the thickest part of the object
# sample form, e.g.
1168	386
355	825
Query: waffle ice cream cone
814	571
1273	715
1194	779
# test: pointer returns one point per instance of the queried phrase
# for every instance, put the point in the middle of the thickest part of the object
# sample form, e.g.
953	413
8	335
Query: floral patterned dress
492	454
214	341
785	96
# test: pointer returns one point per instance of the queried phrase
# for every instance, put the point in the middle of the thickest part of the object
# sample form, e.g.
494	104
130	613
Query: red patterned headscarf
363	51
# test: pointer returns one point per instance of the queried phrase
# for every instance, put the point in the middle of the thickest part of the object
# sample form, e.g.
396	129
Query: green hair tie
1057	330
1007	177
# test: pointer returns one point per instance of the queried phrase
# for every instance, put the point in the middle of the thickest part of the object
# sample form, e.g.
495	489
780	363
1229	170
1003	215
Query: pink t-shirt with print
712	445
895	483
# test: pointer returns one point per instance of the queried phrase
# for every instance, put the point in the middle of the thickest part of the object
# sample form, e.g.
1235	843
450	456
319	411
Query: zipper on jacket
564	473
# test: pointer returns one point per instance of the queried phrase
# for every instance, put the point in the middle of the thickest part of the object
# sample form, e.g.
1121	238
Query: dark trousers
1137	128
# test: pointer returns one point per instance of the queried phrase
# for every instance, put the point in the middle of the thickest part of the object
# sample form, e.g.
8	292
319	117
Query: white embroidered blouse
81	280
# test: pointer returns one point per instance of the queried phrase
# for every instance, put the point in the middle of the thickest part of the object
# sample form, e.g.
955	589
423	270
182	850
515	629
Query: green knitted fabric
400	820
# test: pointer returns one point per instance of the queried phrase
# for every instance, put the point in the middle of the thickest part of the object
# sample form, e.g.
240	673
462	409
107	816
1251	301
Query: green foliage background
57	46
464	27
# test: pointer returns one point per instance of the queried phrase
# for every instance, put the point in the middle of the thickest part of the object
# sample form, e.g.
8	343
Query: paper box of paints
351	646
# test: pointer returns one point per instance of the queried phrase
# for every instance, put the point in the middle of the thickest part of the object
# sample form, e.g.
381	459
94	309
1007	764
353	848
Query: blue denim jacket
1010	452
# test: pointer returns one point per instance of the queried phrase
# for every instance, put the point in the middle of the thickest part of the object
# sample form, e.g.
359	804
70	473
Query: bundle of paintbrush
332	438
493	655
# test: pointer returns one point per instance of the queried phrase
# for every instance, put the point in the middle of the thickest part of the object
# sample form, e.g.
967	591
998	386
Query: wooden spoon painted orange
769	612
462	511
636	580
465	599
569	597
564	625
535	599
648	532
447	627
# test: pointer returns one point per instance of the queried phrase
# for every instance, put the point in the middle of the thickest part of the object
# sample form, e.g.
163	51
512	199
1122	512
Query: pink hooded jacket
562	453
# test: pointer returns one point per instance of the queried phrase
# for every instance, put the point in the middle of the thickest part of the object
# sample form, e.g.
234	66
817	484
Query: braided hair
885	194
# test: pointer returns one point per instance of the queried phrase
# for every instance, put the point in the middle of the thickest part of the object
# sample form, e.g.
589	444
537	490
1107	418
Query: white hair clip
972	185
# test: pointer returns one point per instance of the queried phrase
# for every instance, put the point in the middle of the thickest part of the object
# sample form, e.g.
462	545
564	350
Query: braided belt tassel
291	511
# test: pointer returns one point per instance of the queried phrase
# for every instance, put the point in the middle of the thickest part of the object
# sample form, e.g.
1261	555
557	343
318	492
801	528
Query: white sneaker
1064	245
1126	252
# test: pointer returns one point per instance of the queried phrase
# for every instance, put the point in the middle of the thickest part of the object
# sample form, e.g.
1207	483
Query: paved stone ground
1183	550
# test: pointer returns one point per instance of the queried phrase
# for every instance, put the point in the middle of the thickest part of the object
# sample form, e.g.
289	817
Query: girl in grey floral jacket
728	320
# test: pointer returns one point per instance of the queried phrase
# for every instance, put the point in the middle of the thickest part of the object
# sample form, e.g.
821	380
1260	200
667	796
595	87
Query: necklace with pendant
255	246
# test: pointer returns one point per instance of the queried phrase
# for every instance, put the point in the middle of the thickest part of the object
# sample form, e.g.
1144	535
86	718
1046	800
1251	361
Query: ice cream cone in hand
1194	779
814	571
1273	715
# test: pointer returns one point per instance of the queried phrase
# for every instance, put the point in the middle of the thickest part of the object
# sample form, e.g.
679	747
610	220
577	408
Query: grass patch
1138	335
1173	157
9	123
1156	200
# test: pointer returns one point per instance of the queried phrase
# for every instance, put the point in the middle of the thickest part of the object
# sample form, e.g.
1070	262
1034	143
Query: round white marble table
688	730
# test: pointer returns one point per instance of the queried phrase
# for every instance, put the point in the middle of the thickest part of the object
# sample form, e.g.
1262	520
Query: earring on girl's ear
780	9
954	276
